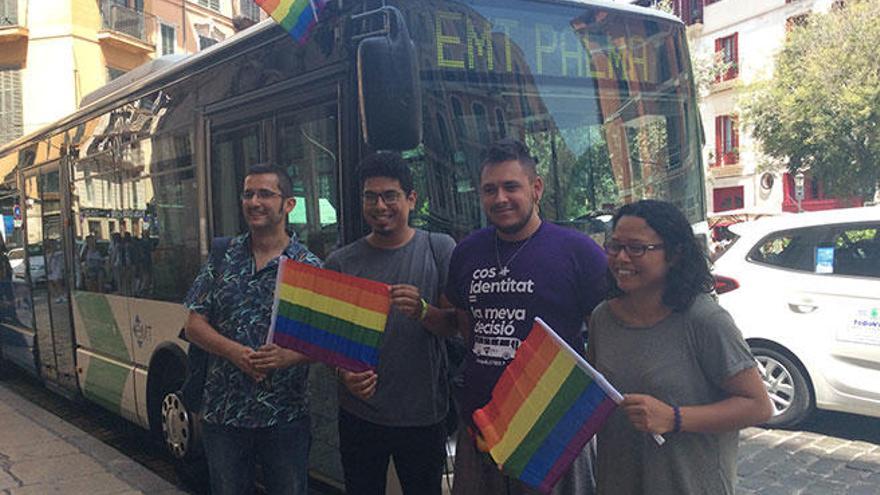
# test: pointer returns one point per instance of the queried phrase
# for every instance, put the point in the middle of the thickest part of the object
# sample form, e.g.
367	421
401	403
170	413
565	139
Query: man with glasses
397	411
255	407
500	279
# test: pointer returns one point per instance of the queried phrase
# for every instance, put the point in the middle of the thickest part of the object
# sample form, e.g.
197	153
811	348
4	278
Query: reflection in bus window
137	219
307	148
232	152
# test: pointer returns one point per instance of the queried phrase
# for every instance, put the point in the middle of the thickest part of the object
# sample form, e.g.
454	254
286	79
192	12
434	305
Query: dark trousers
419	454
281	450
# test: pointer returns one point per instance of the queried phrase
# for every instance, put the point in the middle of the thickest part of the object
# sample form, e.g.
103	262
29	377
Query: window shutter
733	152
11	124
734	43
719	47
719	137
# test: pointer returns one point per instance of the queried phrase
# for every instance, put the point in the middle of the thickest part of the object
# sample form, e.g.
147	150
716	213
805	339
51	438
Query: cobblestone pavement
834	454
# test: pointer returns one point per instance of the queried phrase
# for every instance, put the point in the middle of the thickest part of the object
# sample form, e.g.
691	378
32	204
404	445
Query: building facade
53	52
742	37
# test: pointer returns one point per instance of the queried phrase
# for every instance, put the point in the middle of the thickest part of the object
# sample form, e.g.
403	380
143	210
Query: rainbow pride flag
331	317
546	406
297	17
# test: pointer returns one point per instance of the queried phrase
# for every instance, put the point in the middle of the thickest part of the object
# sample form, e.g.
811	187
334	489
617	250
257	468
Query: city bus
119	201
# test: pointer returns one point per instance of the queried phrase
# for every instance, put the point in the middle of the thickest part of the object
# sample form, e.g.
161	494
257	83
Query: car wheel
787	386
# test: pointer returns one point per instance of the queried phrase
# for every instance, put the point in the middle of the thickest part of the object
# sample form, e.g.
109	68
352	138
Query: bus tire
170	421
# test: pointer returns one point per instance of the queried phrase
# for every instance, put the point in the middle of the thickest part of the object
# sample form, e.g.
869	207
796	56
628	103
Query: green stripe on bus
100	325
105	384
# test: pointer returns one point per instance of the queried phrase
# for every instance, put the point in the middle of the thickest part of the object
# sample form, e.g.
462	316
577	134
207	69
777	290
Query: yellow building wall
66	54
48	89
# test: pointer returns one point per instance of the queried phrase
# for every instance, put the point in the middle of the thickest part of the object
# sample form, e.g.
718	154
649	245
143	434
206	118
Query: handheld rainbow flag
297	17
334	318
546	406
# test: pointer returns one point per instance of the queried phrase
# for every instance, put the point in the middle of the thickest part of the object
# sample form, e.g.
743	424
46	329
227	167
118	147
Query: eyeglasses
632	250
259	193
389	197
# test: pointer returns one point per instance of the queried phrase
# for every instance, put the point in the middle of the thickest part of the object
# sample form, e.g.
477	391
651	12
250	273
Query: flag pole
314	9
587	368
271	334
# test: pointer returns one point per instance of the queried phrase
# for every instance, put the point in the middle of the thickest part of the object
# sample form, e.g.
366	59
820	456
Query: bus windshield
604	99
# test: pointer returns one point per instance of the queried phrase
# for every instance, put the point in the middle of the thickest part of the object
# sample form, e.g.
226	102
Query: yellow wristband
424	310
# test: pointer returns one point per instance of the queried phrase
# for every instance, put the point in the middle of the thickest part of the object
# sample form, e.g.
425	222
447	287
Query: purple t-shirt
558	274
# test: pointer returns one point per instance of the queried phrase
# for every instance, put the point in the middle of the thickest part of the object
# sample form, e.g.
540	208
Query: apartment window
169	38
11	125
726	140
728	51
249	9
205	42
8	12
211	4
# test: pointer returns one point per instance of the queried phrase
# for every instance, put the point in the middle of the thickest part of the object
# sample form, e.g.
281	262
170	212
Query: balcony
126	28
10	22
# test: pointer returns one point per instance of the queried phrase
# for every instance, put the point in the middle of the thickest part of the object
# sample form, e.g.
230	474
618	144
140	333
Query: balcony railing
128	21
8	13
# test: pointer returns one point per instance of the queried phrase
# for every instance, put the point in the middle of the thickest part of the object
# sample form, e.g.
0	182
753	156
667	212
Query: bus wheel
178	427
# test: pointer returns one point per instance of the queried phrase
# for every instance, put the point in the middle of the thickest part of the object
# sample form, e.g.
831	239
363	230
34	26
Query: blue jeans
281	450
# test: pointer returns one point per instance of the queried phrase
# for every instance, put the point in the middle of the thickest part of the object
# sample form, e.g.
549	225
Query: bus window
307	147
603	99
163	219
233	150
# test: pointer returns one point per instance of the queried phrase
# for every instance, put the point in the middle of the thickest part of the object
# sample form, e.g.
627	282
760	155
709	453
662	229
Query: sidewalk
42	454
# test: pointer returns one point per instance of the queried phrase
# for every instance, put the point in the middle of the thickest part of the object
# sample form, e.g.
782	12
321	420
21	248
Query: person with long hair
684	369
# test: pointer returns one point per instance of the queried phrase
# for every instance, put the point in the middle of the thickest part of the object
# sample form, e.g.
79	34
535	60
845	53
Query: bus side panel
153	323
105	354
17	347
108	383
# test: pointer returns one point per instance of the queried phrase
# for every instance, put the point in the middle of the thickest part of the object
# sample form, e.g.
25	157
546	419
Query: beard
518	226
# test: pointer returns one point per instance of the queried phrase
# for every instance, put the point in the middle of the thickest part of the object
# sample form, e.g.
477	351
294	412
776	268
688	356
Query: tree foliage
821	110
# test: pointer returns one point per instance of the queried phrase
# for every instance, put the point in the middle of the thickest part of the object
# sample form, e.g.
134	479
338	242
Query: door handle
802	307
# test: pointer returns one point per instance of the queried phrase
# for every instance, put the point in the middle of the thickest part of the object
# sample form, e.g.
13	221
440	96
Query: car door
846	301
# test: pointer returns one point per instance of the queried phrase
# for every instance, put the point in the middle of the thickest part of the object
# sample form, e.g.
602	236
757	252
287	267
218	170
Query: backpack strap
217	254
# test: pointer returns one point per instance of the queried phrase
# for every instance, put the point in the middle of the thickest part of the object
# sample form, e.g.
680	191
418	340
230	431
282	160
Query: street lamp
799	189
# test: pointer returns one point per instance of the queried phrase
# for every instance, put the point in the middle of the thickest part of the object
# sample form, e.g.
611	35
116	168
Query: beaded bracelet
676	427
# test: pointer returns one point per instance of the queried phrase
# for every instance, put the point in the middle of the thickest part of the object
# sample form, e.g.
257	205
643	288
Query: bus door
302	137
49	274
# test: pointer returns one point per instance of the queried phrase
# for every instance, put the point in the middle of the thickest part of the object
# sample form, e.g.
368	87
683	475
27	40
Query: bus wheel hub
176	427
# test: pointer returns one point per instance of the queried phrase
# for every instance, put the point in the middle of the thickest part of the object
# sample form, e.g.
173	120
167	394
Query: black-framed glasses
259	193
389	197
632	250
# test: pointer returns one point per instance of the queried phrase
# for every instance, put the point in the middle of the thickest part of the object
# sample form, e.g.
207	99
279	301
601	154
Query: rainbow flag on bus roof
297	17
334	318
546	406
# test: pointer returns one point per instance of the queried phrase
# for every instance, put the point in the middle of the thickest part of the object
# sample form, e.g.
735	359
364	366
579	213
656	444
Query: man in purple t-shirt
500	279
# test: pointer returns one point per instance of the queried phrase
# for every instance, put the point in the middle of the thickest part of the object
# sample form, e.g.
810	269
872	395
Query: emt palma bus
120	200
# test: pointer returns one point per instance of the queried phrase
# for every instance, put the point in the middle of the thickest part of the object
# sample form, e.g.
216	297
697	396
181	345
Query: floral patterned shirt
238	304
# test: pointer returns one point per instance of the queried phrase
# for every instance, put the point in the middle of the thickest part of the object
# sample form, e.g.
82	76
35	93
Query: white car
38	263
805	291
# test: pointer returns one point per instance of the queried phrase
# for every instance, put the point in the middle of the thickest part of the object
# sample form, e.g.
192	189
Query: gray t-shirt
683	360
412	388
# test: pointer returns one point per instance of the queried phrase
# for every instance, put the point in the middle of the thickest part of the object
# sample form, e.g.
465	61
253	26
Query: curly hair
386	164
688	273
